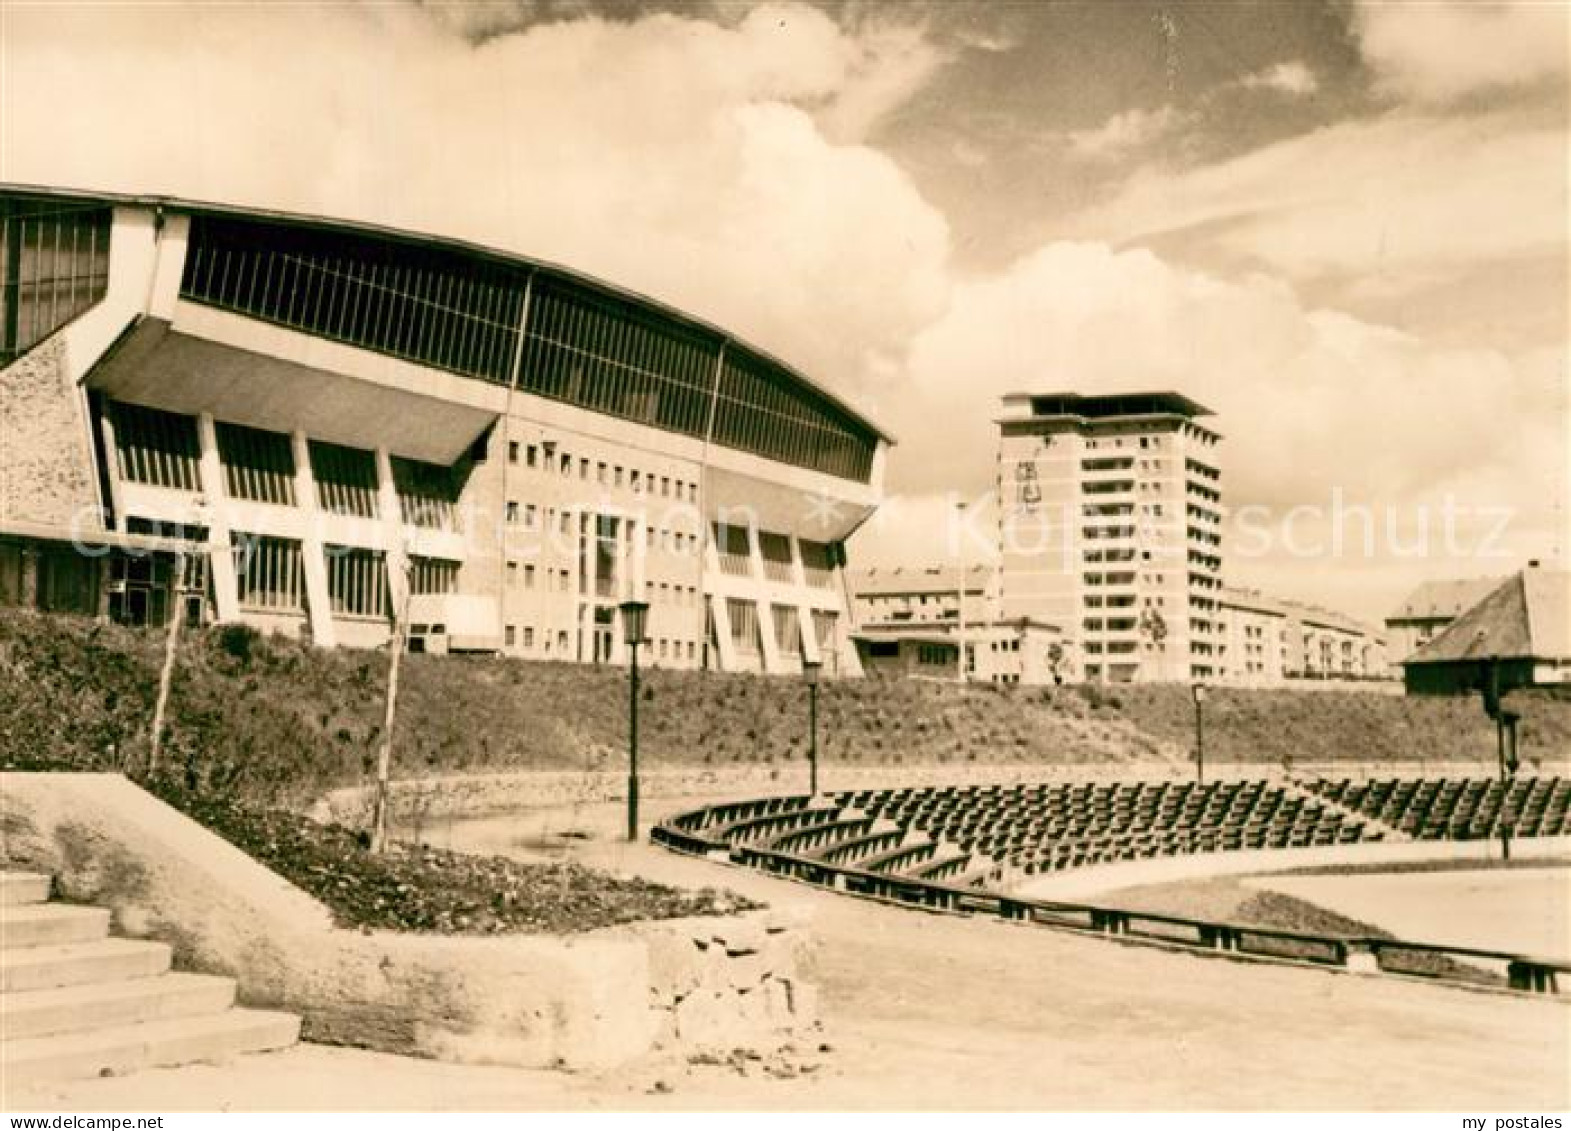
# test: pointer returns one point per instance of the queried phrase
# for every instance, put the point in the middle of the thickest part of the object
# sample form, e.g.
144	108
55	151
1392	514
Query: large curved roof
480	254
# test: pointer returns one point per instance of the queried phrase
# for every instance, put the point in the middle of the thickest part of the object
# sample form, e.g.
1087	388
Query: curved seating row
1456	808
981	835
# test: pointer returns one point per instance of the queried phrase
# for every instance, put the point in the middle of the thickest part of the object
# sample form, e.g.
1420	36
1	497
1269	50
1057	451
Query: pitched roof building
1430	607
1524	623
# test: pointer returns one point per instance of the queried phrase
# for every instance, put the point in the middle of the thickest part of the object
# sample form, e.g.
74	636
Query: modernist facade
908	622
1254	650
328	422
1110	526
1267	642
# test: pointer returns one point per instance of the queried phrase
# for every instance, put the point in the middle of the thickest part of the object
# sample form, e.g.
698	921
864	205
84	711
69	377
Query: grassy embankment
269	719
258	726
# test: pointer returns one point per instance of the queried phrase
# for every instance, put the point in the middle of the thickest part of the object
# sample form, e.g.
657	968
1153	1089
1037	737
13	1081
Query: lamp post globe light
811	669
1198	690
635	614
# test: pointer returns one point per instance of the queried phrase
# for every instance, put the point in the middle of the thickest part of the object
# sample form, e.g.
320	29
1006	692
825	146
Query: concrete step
50	924
23	887
106	960
70	1009
119	1049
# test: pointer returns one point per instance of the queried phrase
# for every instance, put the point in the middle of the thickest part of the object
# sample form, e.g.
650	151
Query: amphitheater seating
1039	828
983	836
701	819
1467	808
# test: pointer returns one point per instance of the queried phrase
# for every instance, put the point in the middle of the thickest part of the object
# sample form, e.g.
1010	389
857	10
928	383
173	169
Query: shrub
238	641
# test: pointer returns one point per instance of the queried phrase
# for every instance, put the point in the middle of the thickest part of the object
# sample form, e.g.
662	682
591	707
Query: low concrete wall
1086	883
485	795
583	1001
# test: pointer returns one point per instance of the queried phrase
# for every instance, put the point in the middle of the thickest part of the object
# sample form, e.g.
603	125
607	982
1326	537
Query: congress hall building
305	424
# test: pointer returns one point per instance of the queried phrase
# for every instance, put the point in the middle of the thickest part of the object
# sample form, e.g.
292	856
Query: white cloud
1314	405
1439	52
673	155
1124	133
1286	78
1390	196
715	166
891	62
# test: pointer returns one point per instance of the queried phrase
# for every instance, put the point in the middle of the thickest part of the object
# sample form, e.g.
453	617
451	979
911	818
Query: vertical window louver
345	479
258	466
54	265
429	576
356	582
427	305
270	574
460	312
157	448
426	494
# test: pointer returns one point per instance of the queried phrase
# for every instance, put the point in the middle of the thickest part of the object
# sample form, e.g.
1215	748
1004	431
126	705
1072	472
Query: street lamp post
1198	690
634	614
1505	733
810	670
1508	721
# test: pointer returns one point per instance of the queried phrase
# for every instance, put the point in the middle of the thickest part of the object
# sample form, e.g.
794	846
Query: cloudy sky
1342	225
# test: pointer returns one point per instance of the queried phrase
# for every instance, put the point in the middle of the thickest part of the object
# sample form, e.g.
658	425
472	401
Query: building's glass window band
818	563
258	465
54	265
426	493
460	313
607	540
426	305
157	448
428	576
788	630
761	409
775	549
746	633
345	479
604	356
356	581
269	573
733	548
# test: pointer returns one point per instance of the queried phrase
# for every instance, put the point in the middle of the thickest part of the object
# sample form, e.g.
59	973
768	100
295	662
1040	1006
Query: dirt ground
928	1012
1526	910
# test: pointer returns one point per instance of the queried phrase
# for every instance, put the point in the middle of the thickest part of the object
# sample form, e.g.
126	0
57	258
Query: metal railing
1523	973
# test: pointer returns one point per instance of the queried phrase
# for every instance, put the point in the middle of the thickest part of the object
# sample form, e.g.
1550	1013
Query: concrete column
588	536
319	604
106	423
847	662
397	555
220	556
755	556
804	614
769	655
726	652
638	564
798	570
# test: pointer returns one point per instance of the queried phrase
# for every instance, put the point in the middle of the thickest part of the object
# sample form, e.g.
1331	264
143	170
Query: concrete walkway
934	1012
